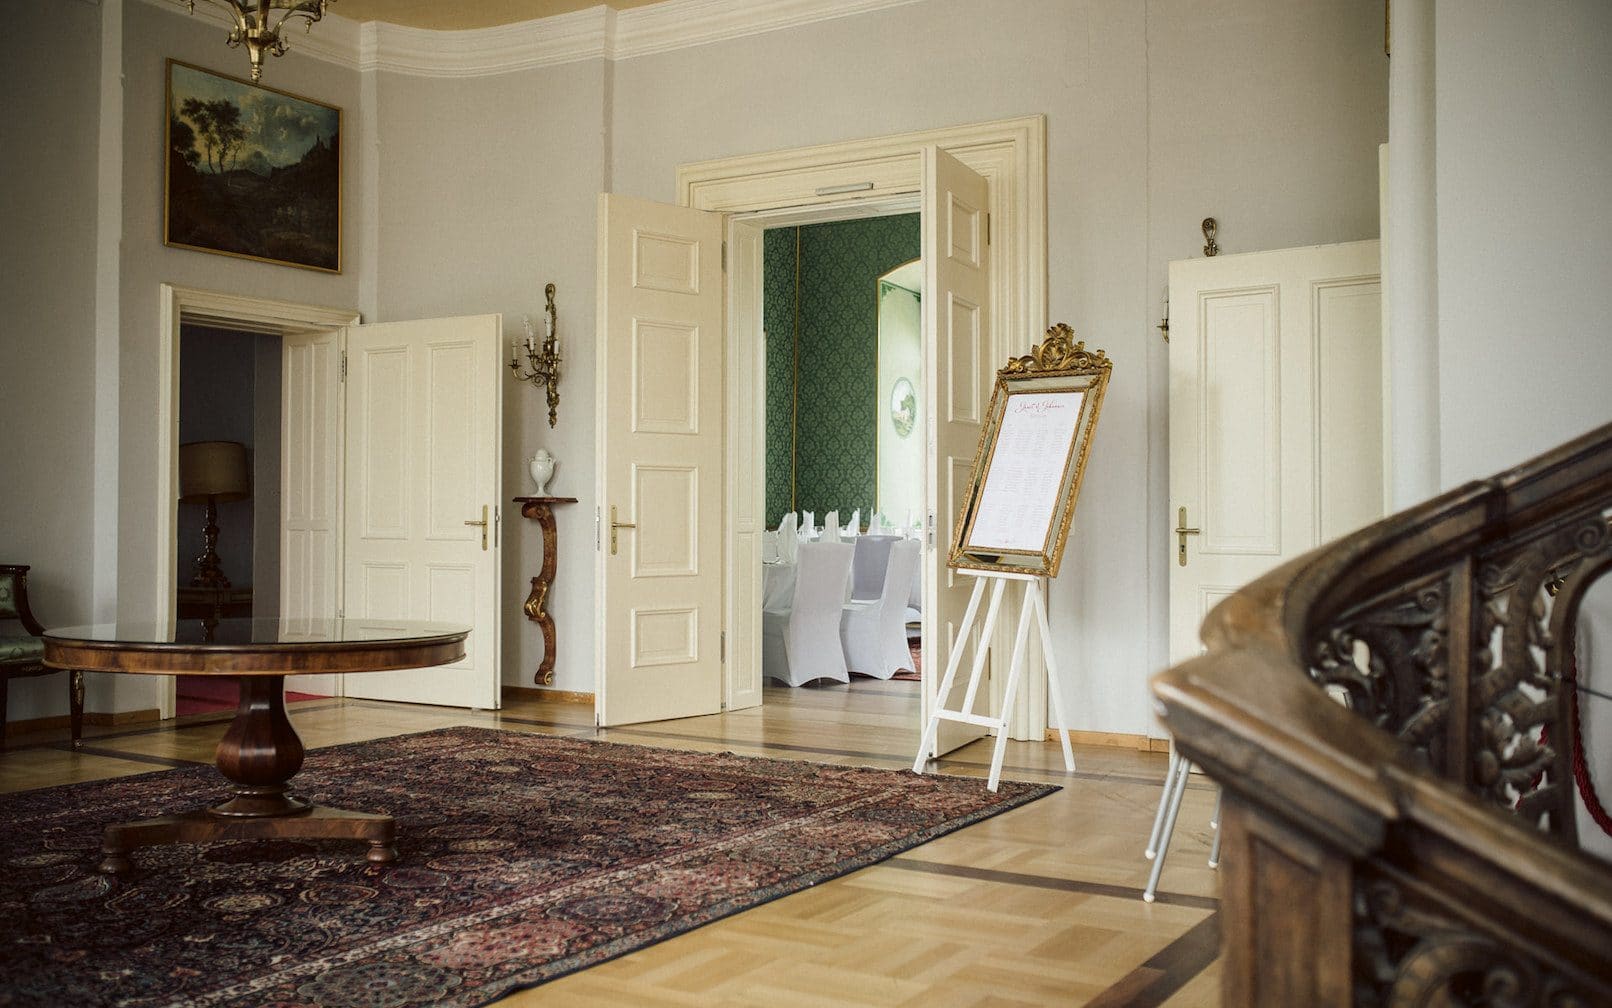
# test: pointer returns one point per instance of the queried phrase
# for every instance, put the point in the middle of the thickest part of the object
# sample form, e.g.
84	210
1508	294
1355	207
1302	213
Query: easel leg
1015	668
932	727
1054	692
981	648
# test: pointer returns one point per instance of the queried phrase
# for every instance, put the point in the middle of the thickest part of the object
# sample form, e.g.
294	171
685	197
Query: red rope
1581	767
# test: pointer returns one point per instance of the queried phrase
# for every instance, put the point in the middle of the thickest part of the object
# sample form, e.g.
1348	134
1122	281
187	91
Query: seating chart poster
1026	476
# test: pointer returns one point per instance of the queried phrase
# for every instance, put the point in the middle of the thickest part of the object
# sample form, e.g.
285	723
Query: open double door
679	559
390	465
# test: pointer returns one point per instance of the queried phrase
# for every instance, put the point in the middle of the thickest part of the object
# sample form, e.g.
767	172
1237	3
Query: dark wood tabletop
260	752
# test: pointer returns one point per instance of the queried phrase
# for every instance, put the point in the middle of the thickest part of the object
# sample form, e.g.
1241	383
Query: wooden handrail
1416	843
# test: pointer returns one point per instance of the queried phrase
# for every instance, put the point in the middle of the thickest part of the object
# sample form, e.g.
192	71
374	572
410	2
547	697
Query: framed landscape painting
251	171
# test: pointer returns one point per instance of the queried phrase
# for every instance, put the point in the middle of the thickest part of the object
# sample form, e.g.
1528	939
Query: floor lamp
210	472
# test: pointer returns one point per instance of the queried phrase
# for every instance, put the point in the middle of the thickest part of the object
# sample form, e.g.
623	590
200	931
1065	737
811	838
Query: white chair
831	528
872	559
854	529
1158	842
874	633
788	539
801	644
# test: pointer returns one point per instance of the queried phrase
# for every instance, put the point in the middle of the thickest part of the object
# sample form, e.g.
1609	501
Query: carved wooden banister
1415	843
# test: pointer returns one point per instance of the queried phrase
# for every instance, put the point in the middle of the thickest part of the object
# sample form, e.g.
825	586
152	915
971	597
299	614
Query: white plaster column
1410	259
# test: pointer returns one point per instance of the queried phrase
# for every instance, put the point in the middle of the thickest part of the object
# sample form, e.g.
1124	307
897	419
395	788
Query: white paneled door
956	317
1276	438
311	475
660	482
423	495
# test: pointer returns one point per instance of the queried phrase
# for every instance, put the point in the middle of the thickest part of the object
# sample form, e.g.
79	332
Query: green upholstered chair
22	650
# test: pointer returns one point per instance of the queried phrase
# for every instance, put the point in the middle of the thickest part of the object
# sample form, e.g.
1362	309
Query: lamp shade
213	469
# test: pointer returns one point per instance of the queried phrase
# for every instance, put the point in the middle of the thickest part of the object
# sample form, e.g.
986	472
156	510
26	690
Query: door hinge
341	614
598	543
722	647
498	517
930	532
344	367
724	257
987	228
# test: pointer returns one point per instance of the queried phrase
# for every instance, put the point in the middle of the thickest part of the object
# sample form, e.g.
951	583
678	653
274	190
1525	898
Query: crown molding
595	33
680	24
564	38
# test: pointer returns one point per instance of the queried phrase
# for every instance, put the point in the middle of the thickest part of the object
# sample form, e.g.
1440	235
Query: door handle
483	524
1181	533
614	525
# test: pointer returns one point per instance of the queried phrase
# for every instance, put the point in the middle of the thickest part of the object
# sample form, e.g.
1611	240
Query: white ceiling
456	15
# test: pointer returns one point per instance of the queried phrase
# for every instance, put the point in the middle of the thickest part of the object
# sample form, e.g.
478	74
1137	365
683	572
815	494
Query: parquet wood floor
1038	906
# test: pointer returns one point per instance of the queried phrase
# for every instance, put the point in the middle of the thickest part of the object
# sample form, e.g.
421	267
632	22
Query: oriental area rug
521	858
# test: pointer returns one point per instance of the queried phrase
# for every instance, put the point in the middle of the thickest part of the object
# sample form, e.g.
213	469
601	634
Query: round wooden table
260	752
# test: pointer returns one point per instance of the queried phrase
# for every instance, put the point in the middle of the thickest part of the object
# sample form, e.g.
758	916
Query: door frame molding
1012	155
178	305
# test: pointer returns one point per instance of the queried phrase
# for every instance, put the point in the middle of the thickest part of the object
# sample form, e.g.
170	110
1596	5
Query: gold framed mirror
1031	457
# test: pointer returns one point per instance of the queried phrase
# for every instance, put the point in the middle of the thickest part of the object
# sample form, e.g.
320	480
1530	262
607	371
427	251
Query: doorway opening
844	437
247	319
228	510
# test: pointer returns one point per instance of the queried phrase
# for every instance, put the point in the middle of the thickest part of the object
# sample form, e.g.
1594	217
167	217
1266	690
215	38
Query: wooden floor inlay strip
1166	971
132	757
1049	882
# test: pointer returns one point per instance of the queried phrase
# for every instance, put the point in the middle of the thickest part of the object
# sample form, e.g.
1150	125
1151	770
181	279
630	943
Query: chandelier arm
309	10
234	12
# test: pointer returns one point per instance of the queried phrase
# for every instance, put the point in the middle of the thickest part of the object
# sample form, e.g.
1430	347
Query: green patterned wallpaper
778	318
834	448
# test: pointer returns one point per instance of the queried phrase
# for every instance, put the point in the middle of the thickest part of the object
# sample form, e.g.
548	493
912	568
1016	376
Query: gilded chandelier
259	24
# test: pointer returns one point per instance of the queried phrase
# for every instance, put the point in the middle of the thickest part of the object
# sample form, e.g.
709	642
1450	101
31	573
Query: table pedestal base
316	822
259	753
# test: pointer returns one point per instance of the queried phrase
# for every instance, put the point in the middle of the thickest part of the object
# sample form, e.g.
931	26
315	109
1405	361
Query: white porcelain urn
542	468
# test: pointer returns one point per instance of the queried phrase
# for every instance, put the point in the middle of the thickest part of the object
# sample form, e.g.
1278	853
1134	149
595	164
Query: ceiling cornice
596	33
679	24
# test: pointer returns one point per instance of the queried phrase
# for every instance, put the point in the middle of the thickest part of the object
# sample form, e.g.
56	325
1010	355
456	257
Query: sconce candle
542	364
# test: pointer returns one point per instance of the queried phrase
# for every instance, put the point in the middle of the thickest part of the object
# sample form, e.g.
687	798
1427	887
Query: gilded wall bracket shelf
541	509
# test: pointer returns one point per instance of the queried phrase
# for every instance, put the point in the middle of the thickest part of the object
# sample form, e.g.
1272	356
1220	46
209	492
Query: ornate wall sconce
542	364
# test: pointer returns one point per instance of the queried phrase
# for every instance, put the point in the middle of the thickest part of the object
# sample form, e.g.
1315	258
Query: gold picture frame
250	171
1031	458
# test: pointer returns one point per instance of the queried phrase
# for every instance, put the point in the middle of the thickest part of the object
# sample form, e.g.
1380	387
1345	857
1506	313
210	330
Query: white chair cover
874	633
788	539
801	644
778	586
869	564
831	527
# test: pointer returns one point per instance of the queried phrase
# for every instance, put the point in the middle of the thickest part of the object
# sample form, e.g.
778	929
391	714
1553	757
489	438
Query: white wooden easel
1034	603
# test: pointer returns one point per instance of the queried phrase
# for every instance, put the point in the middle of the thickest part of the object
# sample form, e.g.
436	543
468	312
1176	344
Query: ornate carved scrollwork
1390	662
1410	954
1059	351
1517	762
